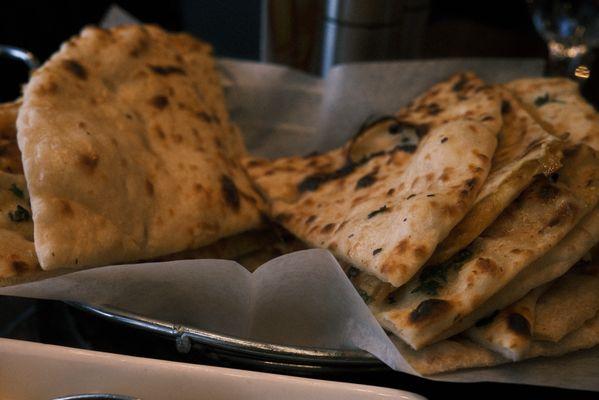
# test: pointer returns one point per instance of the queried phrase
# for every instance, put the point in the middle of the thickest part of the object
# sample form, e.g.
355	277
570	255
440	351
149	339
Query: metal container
244	352
314	35
372	30
96	396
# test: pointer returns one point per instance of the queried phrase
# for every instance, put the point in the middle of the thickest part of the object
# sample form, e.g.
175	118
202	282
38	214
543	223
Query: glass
571	30
15	66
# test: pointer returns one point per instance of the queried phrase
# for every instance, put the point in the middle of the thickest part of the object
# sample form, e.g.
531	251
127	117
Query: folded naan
553	264
524	151
10	156
559	107
509	331
386	210
17	253
568	303
18	261
534	223
128	151
549	312
460	352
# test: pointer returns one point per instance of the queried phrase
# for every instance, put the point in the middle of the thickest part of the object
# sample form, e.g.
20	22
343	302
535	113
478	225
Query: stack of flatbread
466	220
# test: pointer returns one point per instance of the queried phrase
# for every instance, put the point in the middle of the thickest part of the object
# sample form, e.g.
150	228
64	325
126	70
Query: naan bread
10	156
548	312
524	150
128	150
459	352
550	266
17	253
509	333
558	105
569	302
537	221
386	211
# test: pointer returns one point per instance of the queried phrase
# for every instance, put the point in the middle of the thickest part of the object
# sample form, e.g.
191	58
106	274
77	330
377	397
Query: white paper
302	298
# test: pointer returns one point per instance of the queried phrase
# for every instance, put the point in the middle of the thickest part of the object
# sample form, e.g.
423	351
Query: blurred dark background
456	28
295	32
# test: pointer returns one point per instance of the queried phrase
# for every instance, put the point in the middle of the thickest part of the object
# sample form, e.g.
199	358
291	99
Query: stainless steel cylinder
314	35
359	30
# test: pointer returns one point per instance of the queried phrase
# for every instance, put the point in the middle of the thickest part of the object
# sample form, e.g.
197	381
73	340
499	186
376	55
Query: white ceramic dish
32	371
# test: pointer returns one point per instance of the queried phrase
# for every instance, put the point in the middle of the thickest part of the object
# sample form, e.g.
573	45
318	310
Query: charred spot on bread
89	161
208	118
427	309
159	101
366	181
140	47
408	148
230	192
19	214
378	211
313	182
459	85
328	228
166	69
75	68
16	191
433	109
19	266
435	277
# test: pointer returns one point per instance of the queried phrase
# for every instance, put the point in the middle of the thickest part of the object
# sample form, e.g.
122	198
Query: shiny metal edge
25	56
96	396
266	351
